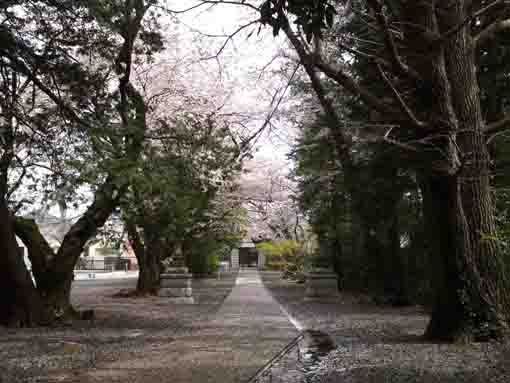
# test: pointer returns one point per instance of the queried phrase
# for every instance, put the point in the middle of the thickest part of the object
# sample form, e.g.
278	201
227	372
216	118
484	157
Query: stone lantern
176	280
321	281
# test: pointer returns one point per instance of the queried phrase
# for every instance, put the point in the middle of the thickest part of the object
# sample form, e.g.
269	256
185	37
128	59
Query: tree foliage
432	107
77	115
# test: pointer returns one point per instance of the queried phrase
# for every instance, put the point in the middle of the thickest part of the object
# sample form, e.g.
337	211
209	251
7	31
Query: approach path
228	346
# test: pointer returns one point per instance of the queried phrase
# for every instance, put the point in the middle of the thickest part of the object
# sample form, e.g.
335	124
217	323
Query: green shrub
203	263
286	256
275	265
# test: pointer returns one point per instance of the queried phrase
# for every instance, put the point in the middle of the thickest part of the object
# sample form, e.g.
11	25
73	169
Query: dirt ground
122	328
384	344
143	339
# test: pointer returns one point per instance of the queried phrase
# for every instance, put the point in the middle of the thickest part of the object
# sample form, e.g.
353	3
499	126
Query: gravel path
245	333
383	344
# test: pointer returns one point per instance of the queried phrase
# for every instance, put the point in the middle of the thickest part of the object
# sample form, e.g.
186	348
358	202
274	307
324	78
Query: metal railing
106	264
265	370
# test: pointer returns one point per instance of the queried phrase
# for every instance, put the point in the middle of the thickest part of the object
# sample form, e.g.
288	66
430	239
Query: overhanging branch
490	31
482	11
342	141
405	108
391	45
497	127
39	250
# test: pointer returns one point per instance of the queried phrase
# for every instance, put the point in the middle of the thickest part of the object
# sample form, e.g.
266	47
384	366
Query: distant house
246	254
103	256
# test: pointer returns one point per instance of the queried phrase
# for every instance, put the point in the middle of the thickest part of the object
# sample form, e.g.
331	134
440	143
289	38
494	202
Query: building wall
97	259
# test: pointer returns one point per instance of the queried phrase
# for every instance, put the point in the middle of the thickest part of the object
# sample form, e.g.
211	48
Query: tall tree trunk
54	272
150	269
472	299
148	258
149	273
20	303
441	202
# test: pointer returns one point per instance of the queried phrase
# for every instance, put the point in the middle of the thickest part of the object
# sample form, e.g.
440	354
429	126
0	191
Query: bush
275	265
286	256
203	263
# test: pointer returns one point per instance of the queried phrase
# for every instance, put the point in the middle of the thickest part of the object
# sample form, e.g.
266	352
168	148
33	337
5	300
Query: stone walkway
230	346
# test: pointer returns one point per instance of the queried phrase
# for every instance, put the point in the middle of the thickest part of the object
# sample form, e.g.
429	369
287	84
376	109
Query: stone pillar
234	259
262	259
176	281
321	283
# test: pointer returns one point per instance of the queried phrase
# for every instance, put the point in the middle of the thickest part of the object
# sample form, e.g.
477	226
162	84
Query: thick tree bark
148	258
477	302
54	272
40	252
471	293
20	303
470	277
149	272
441	201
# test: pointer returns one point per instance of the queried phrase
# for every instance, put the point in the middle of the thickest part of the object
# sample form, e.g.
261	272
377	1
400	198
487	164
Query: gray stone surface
232	330
209	343
247	331
175	292
176	284
321	283
178	281
234	259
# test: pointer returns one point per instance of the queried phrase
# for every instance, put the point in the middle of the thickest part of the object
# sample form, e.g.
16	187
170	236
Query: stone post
322	281
234	259
261	259
176	281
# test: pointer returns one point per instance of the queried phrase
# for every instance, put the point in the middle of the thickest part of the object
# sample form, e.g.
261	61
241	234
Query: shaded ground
124	328
382	344
231	332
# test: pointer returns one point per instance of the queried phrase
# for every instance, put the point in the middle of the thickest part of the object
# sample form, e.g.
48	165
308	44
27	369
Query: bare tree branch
405	108
214	2
490	30
20	66
382	19
231	37
271	114
470	18
336	74
498	126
